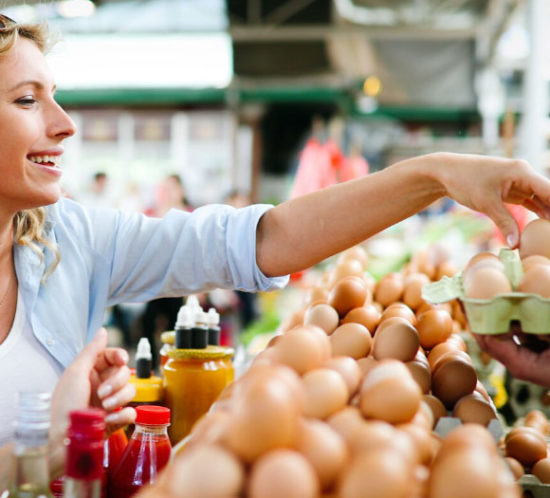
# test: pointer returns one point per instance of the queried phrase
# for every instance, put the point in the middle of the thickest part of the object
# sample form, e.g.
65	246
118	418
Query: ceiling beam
272	33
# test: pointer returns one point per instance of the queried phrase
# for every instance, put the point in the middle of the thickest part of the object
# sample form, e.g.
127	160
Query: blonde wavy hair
28	225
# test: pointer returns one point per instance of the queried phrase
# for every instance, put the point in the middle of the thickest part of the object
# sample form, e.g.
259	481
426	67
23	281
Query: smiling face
32	129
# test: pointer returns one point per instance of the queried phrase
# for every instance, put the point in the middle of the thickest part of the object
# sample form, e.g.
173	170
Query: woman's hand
98	377
484	183
521	361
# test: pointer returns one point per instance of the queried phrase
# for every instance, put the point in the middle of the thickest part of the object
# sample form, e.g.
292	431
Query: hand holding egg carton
501	292
344	403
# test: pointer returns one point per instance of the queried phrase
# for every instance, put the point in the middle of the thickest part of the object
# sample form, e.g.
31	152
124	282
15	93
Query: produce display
349	399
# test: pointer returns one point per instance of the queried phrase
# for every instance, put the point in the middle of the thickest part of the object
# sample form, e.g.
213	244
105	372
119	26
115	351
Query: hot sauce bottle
147	453
85	444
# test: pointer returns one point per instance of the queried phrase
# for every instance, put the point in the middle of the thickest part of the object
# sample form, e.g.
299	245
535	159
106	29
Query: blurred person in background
62	264
98	194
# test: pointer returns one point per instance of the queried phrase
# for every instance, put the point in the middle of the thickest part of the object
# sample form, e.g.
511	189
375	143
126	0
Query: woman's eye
26	101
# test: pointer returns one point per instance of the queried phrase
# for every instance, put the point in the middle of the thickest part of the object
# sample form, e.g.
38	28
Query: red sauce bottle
114	448
147	453
84	467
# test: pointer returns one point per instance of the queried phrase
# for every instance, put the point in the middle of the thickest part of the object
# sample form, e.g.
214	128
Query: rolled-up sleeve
182	253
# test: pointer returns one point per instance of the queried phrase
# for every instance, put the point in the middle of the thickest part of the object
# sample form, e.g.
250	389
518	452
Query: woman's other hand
98	376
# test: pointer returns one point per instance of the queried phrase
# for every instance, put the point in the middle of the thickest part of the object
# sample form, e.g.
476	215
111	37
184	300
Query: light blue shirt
110	257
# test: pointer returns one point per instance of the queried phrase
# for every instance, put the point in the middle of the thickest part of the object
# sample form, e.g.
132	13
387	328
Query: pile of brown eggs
344	401
526	447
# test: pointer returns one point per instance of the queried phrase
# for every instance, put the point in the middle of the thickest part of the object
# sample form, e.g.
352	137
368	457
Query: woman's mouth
45	160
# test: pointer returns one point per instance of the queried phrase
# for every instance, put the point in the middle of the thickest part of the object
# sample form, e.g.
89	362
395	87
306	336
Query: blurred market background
258	100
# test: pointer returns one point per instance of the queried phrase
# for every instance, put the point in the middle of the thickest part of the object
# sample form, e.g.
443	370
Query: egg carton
495	316
531	486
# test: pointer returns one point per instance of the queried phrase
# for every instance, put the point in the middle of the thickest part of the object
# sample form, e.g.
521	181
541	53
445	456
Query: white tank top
24	365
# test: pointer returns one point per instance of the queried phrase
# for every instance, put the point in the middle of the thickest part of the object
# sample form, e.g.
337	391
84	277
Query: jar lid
208	353
152	415
147	390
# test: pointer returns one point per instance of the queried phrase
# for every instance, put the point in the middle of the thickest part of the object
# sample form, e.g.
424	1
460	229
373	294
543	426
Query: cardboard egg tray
495	316
532	487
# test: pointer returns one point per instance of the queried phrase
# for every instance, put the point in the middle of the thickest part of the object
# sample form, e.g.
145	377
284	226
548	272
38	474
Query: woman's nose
61	125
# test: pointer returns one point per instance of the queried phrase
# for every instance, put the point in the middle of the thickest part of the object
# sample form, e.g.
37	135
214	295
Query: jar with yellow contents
194	377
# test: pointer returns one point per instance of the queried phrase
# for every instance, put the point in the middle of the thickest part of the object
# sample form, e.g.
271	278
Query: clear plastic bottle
147	453
85	445
30	474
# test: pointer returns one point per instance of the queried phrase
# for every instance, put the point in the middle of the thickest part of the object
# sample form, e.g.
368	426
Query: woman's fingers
120	397
112	380
111	357
121	418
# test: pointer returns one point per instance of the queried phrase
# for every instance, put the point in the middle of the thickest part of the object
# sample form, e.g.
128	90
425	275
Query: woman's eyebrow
34	83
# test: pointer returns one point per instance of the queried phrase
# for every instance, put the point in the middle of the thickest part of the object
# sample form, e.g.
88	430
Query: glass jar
193	380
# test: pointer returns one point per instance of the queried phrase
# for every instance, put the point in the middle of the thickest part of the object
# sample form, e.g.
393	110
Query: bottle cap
192	302
212	318
185	318
87	424
199	317
152	415
144	349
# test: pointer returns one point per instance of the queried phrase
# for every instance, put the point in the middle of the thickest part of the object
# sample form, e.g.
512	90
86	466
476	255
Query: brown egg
397	340
349	370
534	239
399	310
528	447
541	469
434	326
384	474
535	259
351	339
264	418
458	342
389	393
474	408
537	420
436	406
317	294
357	253
516	467
293	320
367	316
389	289
189	475
445	269
283	473
421	374
324	448
412	293
346	421
421	439
469	472
486	283
346	268
439	350
453	377
348	293
366	365
536	281
326	392
301	349
483	256
323	316
424	416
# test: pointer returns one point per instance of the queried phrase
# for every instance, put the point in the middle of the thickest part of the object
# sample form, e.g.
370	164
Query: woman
64	264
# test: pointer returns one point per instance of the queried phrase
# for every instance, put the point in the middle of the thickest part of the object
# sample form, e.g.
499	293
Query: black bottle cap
183	339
